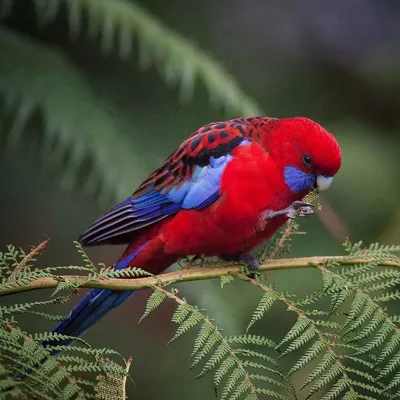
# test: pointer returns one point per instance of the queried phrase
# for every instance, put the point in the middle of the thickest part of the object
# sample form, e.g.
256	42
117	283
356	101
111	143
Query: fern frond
205	332
265	304
311	354
226	280
153	302
368	327
299	341
350	352
221	372
217	358
329	375
25	307
330	370
255	340
85	160
389	348
68	285
128	272
232	366
297	329
43	376
28	358
193	318
271	393
86	260
179	61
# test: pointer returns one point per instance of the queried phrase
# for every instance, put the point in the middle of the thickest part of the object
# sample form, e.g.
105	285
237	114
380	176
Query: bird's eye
307	160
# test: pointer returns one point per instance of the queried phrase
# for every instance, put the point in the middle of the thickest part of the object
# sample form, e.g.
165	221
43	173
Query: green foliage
77	135
350	350
343	340
27	370
238	371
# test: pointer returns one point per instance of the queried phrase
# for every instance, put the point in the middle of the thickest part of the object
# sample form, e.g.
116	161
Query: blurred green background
95	94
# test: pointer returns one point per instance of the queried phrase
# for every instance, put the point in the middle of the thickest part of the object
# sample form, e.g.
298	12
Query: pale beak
324	182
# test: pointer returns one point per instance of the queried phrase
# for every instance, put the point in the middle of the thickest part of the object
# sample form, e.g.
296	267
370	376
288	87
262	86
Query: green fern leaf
325	364
389	347
252	339
204	333
154	301
192	320
371	325
179	61
256	354
370	313
300	326
265	304
206	348
241	389
379	337
226	280
232	382
300	341
337	392
311	354
216	359
224	368
326	377
181	313
81	160
271	393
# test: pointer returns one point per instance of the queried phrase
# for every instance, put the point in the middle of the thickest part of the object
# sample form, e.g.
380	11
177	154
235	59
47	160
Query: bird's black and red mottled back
213	140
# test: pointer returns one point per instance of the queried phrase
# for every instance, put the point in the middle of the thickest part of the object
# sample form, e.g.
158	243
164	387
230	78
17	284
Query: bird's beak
324	182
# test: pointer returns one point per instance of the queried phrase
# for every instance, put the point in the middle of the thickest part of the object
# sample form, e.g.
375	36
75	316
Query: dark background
336	62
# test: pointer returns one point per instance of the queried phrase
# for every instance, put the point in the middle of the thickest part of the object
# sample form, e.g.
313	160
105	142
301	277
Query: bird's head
308	154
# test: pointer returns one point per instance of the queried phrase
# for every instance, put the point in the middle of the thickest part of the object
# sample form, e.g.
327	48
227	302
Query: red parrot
225	190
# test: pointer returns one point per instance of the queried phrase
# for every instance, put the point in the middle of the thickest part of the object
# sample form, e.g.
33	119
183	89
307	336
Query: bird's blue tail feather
96	304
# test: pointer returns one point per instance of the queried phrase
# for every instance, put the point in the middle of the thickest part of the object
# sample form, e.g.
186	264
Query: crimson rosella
225	190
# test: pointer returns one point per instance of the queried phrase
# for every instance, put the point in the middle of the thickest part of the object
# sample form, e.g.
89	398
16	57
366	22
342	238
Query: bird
226	189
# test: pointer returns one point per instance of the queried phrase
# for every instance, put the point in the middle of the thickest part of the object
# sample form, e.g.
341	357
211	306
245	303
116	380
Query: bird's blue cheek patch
298	180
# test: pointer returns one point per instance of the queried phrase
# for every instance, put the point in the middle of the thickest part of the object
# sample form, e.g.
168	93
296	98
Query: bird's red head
308	154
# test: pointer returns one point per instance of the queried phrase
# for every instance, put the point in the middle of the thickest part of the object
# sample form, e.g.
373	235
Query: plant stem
124	379
190	275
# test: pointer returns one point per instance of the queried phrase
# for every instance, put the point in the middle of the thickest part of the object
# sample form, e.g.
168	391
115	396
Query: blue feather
298	180
142	210
94	306
205	183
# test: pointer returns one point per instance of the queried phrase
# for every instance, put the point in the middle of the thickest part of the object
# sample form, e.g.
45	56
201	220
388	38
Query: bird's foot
194	261
244	258
296	209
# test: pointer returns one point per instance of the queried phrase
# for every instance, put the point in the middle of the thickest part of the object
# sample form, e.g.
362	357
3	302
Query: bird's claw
296	209
300	209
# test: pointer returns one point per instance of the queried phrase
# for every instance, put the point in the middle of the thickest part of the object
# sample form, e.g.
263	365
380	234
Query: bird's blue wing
189	179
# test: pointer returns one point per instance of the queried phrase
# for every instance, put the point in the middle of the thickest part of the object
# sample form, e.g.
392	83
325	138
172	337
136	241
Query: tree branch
191	275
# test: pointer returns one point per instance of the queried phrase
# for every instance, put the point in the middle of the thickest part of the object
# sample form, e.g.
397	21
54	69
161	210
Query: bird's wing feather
189	179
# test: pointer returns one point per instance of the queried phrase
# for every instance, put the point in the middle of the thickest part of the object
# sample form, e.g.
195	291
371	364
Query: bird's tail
96	304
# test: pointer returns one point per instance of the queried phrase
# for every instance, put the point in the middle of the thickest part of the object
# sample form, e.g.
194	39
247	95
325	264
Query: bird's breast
251	184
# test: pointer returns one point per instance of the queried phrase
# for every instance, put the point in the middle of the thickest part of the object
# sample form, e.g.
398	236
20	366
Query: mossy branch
196	274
